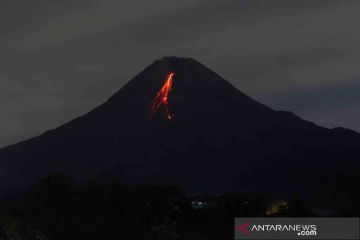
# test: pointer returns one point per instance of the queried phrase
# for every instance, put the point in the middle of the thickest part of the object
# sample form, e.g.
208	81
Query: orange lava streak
161	97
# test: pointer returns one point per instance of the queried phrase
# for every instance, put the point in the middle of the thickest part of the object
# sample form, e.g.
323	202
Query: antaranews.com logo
301	230
297	228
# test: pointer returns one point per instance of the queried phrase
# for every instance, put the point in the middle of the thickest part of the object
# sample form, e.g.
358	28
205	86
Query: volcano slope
179	123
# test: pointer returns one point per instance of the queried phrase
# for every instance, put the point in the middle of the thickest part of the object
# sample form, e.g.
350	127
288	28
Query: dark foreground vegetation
57	209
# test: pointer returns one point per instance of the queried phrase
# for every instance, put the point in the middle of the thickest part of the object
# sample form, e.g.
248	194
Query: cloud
78	53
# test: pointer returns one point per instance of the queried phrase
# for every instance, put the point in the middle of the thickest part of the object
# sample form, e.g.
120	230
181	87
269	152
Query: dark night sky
59	59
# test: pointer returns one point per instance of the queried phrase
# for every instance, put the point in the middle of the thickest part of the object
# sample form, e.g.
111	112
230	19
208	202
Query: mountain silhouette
192	129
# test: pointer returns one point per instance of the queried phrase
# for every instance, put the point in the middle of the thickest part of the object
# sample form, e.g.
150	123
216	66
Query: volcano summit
179	123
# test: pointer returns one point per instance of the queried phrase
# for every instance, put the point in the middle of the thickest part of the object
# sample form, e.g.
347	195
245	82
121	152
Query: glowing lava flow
161	97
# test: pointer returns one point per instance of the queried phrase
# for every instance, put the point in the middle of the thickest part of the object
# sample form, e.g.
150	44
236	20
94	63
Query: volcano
179	123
